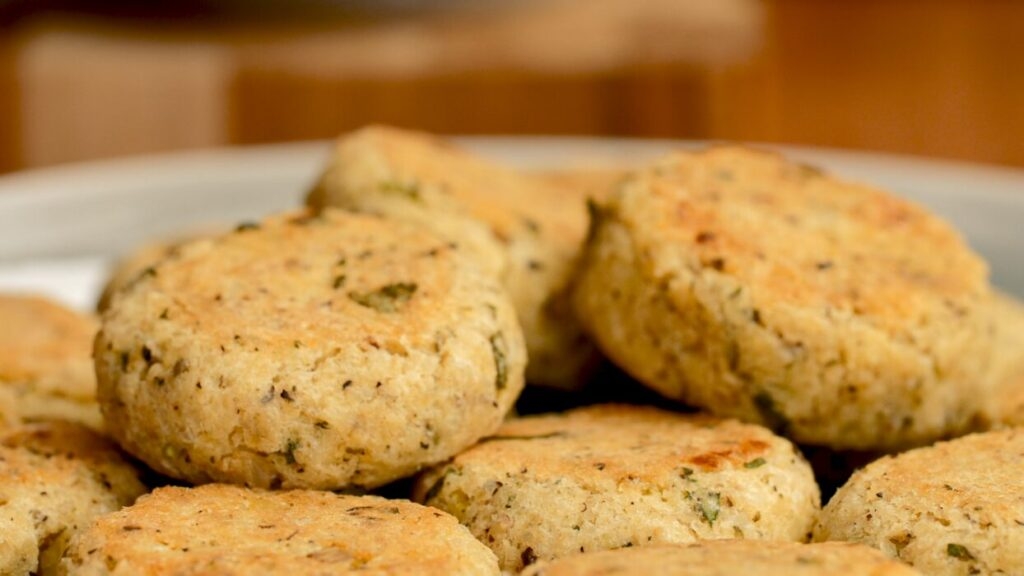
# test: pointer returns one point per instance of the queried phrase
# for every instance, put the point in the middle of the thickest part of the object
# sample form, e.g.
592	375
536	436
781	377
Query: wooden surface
10	130
932	77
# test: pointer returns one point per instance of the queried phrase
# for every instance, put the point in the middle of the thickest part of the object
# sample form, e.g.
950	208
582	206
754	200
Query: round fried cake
729	558
613	476
954	508
330	352
230	530
765	290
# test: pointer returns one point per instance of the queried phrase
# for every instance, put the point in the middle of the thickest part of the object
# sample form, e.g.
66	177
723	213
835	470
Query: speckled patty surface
729	558
55	478
524	229
1005	406
336	351
613	476
127	269
230	530
45	364
954	508
760	289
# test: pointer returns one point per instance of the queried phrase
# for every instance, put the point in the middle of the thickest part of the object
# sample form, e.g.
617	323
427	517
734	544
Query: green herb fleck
710	506
339	281
163	315
687	473
289	450
245	226
410	190
959	552
386	298
500	362
322	424
755	463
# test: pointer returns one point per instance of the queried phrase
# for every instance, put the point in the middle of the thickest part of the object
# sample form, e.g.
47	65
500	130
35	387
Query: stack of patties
304	353
378	341
523	229
839	316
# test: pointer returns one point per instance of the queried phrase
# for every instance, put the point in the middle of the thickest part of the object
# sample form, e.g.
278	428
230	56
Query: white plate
60	227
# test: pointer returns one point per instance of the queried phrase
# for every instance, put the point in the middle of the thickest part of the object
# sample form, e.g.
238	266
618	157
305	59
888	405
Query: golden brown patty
55	478
336	351
45	366
523	229
615	476
761	289
953	508
729	558
229	530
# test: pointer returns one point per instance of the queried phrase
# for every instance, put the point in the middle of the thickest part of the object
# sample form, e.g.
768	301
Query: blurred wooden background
933	77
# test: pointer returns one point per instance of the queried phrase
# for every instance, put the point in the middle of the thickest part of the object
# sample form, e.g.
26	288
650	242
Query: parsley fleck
386	298
410	190
755	463
959	551
289	450
710	506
